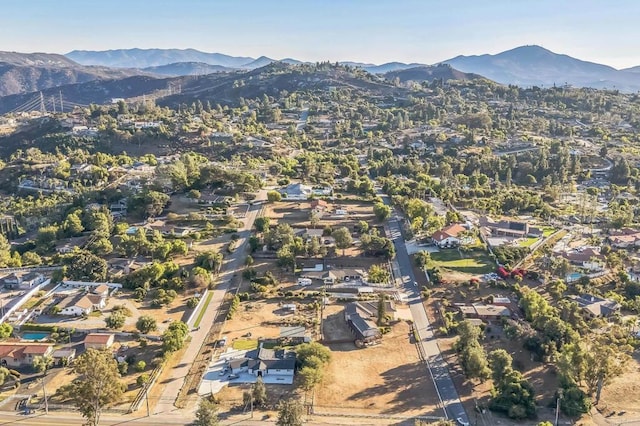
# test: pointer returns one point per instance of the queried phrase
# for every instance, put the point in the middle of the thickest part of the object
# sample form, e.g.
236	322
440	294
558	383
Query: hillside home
484	312
70	244
509	228
22	354
338	276
22	280
296	191
596	307
81	304
449	236
624	238
588	258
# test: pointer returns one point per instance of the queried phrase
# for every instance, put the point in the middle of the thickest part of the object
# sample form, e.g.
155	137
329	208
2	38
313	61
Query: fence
135	405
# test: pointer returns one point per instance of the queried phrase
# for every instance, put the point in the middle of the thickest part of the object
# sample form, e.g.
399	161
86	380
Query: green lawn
245	344
474	262
203	309
547	230
528	242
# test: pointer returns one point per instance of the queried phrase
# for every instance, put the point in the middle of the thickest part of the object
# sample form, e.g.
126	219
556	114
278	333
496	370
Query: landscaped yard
528	242
547	230
245	344
203	309
472	262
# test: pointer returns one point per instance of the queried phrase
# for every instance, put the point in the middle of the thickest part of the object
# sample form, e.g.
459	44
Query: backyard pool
574	276
35	336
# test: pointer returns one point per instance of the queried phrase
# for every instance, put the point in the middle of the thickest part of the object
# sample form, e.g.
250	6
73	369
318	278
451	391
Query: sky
371	31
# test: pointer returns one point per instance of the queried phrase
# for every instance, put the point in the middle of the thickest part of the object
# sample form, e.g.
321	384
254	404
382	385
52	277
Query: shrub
142	379
123	368
141	366
193	302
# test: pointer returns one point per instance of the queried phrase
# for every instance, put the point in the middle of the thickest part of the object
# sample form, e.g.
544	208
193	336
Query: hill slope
428	73
534	65
143	58
28	72
186	68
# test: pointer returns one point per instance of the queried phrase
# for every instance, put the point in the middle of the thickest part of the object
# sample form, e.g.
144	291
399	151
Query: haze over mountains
525	66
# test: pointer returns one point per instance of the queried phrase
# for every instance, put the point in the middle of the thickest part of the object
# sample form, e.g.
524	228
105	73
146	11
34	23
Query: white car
462	422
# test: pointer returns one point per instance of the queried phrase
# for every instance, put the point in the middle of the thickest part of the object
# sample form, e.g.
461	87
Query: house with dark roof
362	326
484	311
509	228
273	365
23	280
588	258
338	276
596	307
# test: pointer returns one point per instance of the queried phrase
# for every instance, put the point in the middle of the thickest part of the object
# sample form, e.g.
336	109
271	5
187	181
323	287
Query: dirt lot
264	318
623	395
381	379
297	213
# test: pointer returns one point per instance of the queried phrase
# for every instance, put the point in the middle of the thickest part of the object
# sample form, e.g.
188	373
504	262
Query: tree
310	377
381	211
207	413
306	351
115	320
274	196
473	358
42	363
85	266
382	310
97	386
210	260
378	274
262	224
422	259
259	392
290	413
146	324
342	237
173	337
556	288
5	330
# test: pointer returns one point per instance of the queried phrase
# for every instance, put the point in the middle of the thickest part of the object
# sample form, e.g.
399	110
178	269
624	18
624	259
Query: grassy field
547	230
245	344
203	309
528	242
474	262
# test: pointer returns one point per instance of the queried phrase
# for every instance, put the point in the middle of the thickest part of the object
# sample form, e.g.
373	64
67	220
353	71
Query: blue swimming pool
574	276
35	336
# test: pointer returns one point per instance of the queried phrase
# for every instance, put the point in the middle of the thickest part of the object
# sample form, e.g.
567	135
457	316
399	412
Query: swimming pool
35	336
574	276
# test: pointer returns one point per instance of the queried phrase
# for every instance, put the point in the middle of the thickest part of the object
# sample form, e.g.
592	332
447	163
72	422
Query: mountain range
524	66
22	73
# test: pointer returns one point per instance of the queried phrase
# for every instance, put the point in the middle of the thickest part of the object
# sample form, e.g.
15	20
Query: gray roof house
274	366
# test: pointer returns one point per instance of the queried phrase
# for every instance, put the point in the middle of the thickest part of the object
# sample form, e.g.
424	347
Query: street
437	366
232	264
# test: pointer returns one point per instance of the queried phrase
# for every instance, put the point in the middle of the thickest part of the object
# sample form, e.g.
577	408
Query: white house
296	191
20	354
81	304
449	236
23	280
275	366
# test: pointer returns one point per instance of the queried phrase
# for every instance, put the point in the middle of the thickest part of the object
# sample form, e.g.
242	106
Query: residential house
70	244
588	258
596	307
338	276
364	329
319	207
22	354
296	191
369	309
81	304
274	366
624	238
98	341
64	356
23	280
449	236
484	312
510	228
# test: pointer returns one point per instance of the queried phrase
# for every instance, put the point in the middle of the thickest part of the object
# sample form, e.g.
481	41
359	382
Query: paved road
437	365
231	266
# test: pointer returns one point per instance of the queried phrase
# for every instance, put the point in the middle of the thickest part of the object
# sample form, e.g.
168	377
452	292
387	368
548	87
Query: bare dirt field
298	213
622	397
264	318
385	379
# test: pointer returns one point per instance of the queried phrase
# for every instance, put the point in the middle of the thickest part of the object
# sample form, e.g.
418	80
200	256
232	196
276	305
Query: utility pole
146	395
558	406
61	104
53	102
44	392
43	109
